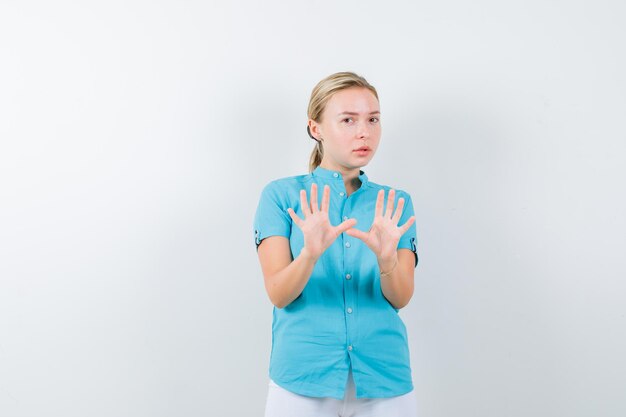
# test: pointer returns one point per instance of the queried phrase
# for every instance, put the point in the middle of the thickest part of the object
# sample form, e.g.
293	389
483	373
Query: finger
305	206
391	196
379	203
359	234
314	206
406	225
398	213
326	198
296	219
344	226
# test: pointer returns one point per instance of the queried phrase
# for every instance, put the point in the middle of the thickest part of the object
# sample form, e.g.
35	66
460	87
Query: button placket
348	265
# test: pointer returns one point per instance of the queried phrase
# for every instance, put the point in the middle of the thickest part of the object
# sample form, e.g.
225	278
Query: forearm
397	286
287	284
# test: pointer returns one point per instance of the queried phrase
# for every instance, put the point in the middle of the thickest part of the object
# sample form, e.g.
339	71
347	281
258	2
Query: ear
314	127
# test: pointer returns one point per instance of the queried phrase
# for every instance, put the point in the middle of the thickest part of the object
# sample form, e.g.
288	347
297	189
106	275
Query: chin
364	161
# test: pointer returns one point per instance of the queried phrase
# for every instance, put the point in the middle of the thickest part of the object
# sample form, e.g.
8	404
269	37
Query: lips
362	151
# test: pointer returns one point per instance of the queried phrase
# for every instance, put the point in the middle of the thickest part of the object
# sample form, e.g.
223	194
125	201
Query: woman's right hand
318	233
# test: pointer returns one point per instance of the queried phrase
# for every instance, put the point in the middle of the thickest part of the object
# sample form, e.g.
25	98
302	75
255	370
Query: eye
347	118
375	119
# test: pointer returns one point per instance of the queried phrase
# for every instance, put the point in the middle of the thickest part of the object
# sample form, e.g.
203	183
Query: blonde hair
320	95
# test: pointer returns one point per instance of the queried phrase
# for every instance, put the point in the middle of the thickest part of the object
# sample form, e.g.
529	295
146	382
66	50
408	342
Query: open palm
318	233
384	234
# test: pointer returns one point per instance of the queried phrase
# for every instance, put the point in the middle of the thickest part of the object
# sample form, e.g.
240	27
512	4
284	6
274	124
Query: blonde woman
338	255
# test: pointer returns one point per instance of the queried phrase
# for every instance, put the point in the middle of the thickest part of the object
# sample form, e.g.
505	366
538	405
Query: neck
350	176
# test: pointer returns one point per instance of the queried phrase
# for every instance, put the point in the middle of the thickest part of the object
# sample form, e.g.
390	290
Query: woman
339	346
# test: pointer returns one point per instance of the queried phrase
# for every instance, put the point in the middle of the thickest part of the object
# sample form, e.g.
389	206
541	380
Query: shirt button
347	244
345	217
348	276
349	310
350	347
341	193
335	175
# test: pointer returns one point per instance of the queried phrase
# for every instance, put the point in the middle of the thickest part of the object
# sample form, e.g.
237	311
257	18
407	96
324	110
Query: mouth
362	152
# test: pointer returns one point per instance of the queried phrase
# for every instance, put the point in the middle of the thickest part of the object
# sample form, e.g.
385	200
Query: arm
398	285
389	242
285	278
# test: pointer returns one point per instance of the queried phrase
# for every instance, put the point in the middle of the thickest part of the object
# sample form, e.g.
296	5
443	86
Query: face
351	120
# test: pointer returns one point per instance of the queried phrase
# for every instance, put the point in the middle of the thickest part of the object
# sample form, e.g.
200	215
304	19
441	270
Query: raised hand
384	235
318	233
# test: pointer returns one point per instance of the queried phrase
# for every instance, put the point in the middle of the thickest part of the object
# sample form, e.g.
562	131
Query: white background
136	138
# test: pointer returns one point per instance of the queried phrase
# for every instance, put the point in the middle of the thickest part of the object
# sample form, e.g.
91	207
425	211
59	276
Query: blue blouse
341	319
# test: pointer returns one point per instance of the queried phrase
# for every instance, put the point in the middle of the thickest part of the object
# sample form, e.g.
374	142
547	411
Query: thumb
357	233
342	227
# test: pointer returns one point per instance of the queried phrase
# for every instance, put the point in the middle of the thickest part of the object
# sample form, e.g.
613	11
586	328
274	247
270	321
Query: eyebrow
355	113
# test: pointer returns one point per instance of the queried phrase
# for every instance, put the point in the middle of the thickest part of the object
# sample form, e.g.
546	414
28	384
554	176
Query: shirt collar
336	175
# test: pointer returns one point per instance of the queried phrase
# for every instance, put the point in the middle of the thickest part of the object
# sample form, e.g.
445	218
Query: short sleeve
271	217
409	238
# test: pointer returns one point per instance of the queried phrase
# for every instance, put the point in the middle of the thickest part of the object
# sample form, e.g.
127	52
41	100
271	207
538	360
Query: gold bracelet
382	274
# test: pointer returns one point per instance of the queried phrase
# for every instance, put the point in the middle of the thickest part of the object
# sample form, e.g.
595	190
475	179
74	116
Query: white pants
284	403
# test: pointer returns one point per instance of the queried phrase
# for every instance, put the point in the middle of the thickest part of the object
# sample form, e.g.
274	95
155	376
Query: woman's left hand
384	235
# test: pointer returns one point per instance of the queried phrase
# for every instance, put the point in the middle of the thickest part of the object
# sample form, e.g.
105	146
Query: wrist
388	264
304	253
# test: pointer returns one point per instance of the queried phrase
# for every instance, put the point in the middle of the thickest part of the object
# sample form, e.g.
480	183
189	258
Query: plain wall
136	136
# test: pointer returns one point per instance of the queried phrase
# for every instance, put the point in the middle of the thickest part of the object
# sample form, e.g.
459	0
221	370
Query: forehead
353	99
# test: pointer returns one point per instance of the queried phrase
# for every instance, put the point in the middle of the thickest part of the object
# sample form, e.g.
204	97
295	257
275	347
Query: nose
363	130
